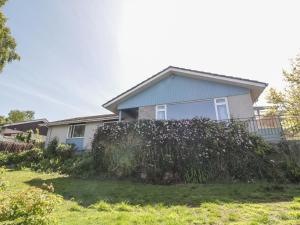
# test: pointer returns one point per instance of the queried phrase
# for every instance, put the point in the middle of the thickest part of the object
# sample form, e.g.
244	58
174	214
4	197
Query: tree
7	42
287	102
2	120
20	116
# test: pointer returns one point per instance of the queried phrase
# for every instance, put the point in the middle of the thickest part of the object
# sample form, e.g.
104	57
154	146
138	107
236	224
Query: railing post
281	128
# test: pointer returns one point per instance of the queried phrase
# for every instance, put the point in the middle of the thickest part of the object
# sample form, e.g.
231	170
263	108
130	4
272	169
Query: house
37	126
78	131
34	125
6	132
172	94
177	93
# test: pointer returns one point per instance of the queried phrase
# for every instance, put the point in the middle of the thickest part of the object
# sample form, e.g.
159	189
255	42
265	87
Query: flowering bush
198	150
65	151
31	206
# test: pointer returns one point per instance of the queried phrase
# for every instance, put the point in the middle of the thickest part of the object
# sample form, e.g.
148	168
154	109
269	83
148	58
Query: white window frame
160	110
109	122
75	125
223	103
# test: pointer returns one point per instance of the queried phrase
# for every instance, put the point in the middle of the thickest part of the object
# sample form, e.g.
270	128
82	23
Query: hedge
198	150
7	146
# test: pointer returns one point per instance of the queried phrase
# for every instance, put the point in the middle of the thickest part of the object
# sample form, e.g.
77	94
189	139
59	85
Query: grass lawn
91	201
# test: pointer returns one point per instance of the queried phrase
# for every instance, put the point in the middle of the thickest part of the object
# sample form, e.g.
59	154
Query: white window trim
73	131
223	103
160	110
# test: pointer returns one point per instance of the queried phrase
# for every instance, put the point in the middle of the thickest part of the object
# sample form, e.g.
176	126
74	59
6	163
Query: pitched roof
26	122
86	119
257	86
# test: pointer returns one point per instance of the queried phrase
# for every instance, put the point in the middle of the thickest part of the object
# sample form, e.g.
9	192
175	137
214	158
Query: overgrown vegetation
191	151
55	158
165	152
28	207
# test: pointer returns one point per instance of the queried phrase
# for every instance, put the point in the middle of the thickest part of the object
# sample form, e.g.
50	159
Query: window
76	131
221	107
107	123
161	112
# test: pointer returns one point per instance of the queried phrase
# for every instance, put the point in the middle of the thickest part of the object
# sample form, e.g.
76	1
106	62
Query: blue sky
77	54
68	57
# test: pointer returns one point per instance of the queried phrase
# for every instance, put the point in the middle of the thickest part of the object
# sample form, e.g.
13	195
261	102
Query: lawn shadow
90	191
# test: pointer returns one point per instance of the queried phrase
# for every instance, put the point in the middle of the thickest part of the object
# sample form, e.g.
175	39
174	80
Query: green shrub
25	158
29	207
25	137
3	183
34	155
288	160
62	151
122	158
50	151
3	159
79	165
293	171
198	150
65	151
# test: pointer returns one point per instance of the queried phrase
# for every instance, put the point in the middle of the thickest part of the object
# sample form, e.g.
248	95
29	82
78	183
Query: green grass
92	201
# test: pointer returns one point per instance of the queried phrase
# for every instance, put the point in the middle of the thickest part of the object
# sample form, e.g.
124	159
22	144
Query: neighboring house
177	93
78	131
38	126
6	132
171	94
34	125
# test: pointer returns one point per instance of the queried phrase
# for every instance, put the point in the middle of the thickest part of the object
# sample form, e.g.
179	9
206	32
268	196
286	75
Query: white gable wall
240	106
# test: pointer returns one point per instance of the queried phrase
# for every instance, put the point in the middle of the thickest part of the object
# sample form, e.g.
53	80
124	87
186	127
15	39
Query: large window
161	112
76	131
221	107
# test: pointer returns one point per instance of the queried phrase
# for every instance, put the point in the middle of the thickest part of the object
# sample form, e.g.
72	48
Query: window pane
161	115
71	131
220	100
79	131
160	107
222	112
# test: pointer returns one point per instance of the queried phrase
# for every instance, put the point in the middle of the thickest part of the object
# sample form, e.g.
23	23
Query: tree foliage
7	42
287	102
15	116
20	116
2	120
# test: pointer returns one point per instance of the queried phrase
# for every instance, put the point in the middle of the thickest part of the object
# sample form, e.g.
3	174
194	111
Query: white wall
61	133
240	106
90	130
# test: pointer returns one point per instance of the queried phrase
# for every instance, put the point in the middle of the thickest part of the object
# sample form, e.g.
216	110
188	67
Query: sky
78	54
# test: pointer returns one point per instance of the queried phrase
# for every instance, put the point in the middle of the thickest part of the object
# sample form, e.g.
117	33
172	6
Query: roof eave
68	122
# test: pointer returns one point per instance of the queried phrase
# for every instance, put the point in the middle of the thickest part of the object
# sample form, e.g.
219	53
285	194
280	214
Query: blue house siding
191	110
78	142
178	88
